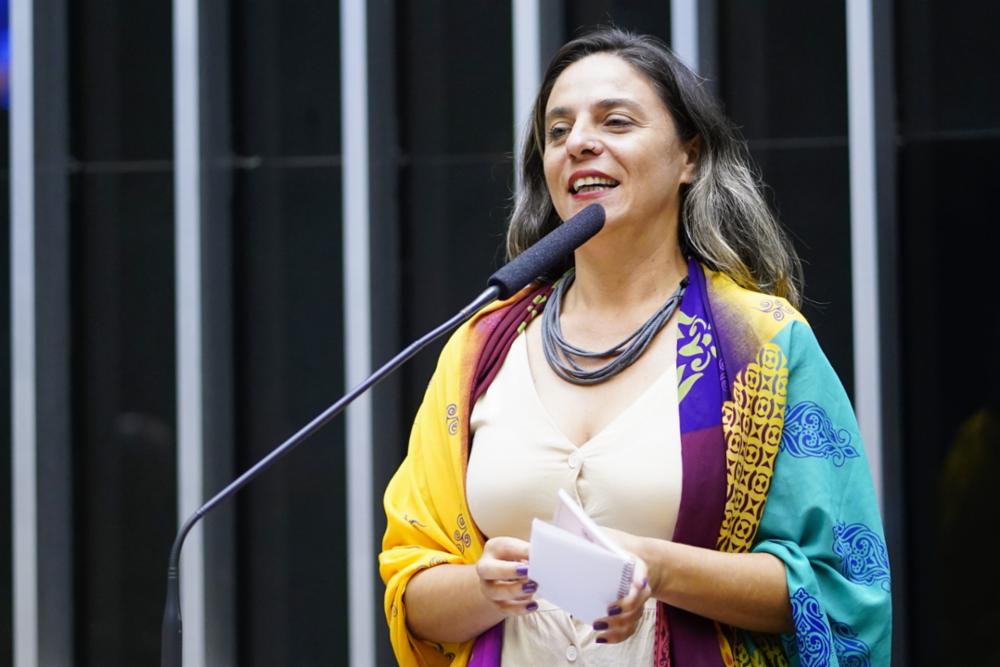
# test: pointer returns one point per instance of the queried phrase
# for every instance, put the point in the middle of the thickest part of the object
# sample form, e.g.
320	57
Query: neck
616	275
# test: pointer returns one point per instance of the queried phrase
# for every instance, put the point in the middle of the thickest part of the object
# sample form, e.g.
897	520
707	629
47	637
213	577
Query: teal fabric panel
821	519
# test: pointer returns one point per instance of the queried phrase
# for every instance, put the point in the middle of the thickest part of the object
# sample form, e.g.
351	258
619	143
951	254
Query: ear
692	154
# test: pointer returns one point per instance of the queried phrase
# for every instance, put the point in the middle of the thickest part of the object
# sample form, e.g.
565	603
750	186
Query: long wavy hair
724	220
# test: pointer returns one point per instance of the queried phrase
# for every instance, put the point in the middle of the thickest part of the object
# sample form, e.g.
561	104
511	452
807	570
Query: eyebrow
607	103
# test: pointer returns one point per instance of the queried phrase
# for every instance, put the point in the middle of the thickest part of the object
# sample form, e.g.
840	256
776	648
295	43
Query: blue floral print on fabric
851	651
814	642
809	431
863	553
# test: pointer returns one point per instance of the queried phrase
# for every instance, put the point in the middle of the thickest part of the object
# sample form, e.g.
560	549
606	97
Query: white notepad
577	566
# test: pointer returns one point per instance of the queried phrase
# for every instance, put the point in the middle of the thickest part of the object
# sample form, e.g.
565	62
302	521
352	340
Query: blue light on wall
4	54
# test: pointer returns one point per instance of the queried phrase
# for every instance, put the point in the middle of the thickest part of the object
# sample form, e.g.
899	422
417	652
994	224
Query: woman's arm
456	603
444	604
748	591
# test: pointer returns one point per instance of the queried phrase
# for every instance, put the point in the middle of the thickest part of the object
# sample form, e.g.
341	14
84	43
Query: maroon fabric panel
703	490
504	331
693	639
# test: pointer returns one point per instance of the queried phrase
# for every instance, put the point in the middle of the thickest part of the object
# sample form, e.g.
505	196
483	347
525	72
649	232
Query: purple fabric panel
702	406
702	306
486	651
721	327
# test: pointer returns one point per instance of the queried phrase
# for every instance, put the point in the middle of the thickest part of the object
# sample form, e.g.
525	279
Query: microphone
537	260
548	252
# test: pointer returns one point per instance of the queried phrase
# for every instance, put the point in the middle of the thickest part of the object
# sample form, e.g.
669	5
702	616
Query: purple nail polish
532	606
602	640
522	571
614	611
529	587
600	625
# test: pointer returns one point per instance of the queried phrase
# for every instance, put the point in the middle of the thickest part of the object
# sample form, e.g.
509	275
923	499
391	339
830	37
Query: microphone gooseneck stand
171	655
535	261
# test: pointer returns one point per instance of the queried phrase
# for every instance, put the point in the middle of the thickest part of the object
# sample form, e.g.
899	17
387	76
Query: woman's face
609	139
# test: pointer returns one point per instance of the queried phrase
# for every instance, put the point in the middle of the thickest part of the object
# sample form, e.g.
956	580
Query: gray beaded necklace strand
561	354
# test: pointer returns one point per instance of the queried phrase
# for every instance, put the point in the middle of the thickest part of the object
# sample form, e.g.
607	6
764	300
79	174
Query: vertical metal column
864	232
43	605
361	557
684	32
527	70
187	230
22	281
217	337
893	478
389	430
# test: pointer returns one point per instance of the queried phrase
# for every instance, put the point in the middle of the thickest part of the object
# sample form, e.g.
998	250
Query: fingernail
614	611
530	587
522	571
600	625
532	606
602	640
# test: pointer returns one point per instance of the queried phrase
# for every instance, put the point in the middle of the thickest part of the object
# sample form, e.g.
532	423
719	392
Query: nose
583	141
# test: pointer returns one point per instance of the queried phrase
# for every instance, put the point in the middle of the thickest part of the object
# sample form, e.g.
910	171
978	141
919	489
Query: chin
576	205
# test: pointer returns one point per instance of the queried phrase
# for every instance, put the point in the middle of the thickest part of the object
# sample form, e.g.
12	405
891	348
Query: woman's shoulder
492	320
766	314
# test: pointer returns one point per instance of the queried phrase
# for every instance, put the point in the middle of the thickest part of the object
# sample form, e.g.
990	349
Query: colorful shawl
772	462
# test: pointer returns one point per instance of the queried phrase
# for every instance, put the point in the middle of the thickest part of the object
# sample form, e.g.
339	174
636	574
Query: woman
709	434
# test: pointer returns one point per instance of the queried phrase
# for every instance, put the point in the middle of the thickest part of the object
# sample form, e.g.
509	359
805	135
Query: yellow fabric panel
752	423
428	520
765	315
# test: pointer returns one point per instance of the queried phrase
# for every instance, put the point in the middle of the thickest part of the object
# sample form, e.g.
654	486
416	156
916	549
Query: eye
618	122
557	131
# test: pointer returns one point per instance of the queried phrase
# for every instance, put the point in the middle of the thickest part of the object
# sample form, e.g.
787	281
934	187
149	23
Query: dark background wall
454	109
122	323
783	79
949	161
287	350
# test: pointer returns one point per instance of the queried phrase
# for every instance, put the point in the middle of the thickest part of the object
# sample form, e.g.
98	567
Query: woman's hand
503	576
458	602
624	614
745	590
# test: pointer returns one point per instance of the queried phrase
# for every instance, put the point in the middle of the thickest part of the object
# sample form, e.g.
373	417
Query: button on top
574	460
571	653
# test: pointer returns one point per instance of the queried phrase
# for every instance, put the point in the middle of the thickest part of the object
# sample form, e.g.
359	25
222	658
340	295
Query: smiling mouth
592	184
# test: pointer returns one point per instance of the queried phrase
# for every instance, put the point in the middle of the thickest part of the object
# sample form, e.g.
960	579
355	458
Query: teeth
593	180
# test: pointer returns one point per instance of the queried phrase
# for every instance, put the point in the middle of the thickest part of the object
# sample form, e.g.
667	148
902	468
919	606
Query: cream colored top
628	476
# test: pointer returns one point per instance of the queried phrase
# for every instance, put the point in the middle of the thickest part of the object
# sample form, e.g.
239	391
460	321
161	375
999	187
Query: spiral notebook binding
626	580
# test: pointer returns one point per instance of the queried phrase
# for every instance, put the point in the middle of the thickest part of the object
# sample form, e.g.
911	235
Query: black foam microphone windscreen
548	252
